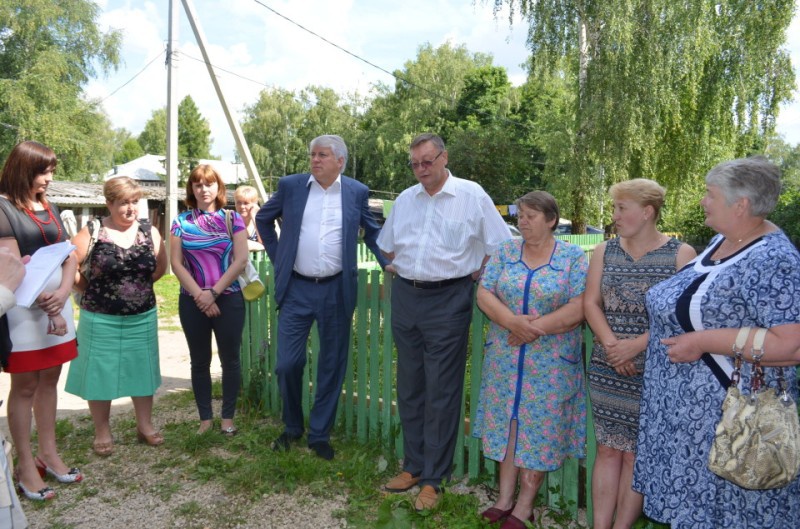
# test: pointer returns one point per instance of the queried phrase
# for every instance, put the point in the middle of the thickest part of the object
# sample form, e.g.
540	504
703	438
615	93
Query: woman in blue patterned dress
749	275
620	273
532	414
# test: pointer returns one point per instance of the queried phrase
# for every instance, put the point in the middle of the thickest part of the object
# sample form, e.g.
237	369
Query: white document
43	263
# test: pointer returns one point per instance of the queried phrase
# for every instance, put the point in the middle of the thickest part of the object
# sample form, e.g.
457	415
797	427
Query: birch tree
660	89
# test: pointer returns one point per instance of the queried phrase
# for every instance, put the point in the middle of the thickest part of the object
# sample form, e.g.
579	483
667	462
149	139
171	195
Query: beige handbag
757	443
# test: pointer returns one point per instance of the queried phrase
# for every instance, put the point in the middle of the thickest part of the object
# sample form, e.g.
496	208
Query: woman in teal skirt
118	327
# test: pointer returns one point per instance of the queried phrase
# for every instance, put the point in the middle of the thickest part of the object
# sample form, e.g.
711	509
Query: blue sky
248	39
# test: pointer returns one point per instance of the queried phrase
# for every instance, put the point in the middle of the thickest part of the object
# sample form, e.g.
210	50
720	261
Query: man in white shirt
316	273
438	236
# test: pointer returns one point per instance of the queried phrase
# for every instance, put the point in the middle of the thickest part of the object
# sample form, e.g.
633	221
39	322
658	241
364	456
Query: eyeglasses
426	164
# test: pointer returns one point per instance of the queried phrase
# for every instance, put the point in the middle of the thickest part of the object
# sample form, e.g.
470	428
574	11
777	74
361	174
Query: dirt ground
175	376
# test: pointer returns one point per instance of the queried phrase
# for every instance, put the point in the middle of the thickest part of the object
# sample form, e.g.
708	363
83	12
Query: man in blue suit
315	279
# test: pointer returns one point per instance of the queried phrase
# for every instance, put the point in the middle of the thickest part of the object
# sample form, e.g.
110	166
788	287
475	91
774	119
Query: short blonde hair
643	191
247	193
121	188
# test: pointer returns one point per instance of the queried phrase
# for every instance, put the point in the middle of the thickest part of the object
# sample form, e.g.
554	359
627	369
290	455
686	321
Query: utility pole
172	128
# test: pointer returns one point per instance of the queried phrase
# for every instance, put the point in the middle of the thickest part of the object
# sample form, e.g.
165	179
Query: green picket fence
367	410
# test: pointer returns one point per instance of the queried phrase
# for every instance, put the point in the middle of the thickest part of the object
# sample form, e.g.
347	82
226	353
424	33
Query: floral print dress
540	384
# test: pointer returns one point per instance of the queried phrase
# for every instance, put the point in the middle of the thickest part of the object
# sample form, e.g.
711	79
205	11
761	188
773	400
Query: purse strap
229	223
738	355
757	352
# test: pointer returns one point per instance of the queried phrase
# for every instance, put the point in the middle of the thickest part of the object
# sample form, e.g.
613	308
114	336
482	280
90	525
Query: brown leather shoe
428	498
401	482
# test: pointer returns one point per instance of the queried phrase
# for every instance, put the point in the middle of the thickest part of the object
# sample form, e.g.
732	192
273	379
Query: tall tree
126	147
194	133
662	89
423	99
153	137
271	127
491	141
48	51
326	112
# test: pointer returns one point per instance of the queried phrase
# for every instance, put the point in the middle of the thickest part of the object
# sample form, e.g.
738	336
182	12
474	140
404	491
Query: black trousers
431	331
227	328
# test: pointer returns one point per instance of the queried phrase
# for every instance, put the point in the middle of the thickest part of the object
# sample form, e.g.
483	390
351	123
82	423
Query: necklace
735	245
42	223
636	255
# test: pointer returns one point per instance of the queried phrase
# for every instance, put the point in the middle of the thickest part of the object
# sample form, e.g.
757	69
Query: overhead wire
428	91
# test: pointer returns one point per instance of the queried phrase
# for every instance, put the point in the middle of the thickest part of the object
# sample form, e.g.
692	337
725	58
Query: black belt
434	284
315	279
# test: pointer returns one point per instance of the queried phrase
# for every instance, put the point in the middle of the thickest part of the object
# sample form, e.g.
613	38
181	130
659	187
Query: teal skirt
117	356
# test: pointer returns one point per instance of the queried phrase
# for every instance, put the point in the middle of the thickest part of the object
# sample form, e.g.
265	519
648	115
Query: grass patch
242	471
167	289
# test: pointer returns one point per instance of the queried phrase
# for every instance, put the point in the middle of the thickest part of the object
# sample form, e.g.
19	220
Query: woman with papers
43	335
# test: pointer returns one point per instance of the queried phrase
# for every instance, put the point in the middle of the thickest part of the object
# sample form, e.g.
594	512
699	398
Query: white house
150	169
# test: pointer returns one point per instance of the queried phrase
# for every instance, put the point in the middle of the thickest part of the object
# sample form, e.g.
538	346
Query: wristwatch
214	293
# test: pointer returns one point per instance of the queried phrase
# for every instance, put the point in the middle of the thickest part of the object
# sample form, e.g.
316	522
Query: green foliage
48	52
787	213
423	99
659	89
126	147
194	136
280	125
153	137
194	133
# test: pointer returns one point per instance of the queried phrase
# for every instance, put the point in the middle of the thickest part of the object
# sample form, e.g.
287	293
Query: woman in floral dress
531	414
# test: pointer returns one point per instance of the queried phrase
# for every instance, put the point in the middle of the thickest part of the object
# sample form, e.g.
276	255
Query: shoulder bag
757	443
93	226
252	287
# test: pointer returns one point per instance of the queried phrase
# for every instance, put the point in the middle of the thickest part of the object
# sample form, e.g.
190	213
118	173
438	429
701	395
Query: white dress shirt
444	236
319	249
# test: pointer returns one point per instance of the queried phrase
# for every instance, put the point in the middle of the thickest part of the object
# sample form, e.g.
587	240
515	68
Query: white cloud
253	42
788	123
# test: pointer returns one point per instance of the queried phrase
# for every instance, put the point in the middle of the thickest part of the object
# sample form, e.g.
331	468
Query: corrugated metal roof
90	194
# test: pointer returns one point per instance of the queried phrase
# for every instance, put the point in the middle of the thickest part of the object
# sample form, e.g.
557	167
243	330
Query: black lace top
121	279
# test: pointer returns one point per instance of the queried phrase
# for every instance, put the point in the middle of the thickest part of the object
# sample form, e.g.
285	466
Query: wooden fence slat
369	409
374	354
362	375
387	373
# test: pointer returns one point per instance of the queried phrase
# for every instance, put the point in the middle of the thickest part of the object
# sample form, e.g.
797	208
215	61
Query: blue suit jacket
288	204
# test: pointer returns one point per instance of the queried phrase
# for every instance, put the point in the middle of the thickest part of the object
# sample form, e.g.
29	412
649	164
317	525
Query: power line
137	74
428	91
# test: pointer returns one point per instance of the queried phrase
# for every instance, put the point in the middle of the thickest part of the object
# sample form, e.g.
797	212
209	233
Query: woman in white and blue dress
749	275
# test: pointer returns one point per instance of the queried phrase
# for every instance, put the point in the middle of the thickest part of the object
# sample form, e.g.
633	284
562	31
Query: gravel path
124	492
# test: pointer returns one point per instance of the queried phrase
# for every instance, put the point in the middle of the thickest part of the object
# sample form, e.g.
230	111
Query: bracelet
214	293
